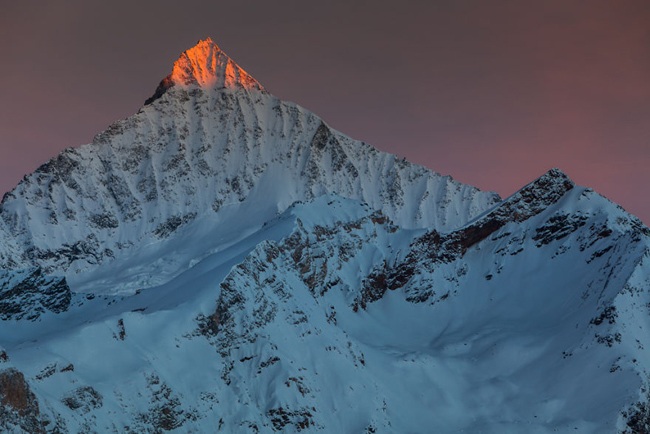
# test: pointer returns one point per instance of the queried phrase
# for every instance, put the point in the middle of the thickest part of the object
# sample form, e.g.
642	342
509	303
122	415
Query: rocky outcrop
82	399
27	294
18	405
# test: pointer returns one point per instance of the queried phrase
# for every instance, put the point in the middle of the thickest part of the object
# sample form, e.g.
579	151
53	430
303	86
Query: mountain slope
223	261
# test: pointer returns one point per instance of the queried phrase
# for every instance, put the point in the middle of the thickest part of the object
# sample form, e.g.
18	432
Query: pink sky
493	93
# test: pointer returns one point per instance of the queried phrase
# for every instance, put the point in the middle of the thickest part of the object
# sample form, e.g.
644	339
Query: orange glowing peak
207	66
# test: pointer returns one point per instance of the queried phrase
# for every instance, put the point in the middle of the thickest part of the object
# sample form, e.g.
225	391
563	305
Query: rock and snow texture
291	279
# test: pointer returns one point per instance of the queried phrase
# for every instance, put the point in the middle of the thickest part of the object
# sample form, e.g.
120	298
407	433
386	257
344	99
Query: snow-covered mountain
211	158
225	261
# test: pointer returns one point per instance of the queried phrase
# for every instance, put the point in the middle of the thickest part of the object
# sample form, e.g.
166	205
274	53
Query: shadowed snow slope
223	261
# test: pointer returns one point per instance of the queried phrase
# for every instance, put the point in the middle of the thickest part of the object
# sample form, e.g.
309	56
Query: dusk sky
494	93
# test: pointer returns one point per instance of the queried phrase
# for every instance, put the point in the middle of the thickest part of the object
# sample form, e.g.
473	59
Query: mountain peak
556	174
206	66
539	194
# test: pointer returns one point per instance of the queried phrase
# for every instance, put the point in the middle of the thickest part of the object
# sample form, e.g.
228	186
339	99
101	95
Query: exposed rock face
26	294
83	399
18	405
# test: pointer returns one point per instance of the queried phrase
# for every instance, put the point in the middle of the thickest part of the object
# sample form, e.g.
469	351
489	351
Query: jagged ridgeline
224	261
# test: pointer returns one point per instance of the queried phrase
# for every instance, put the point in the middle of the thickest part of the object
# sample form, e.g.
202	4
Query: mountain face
223	261
209	160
